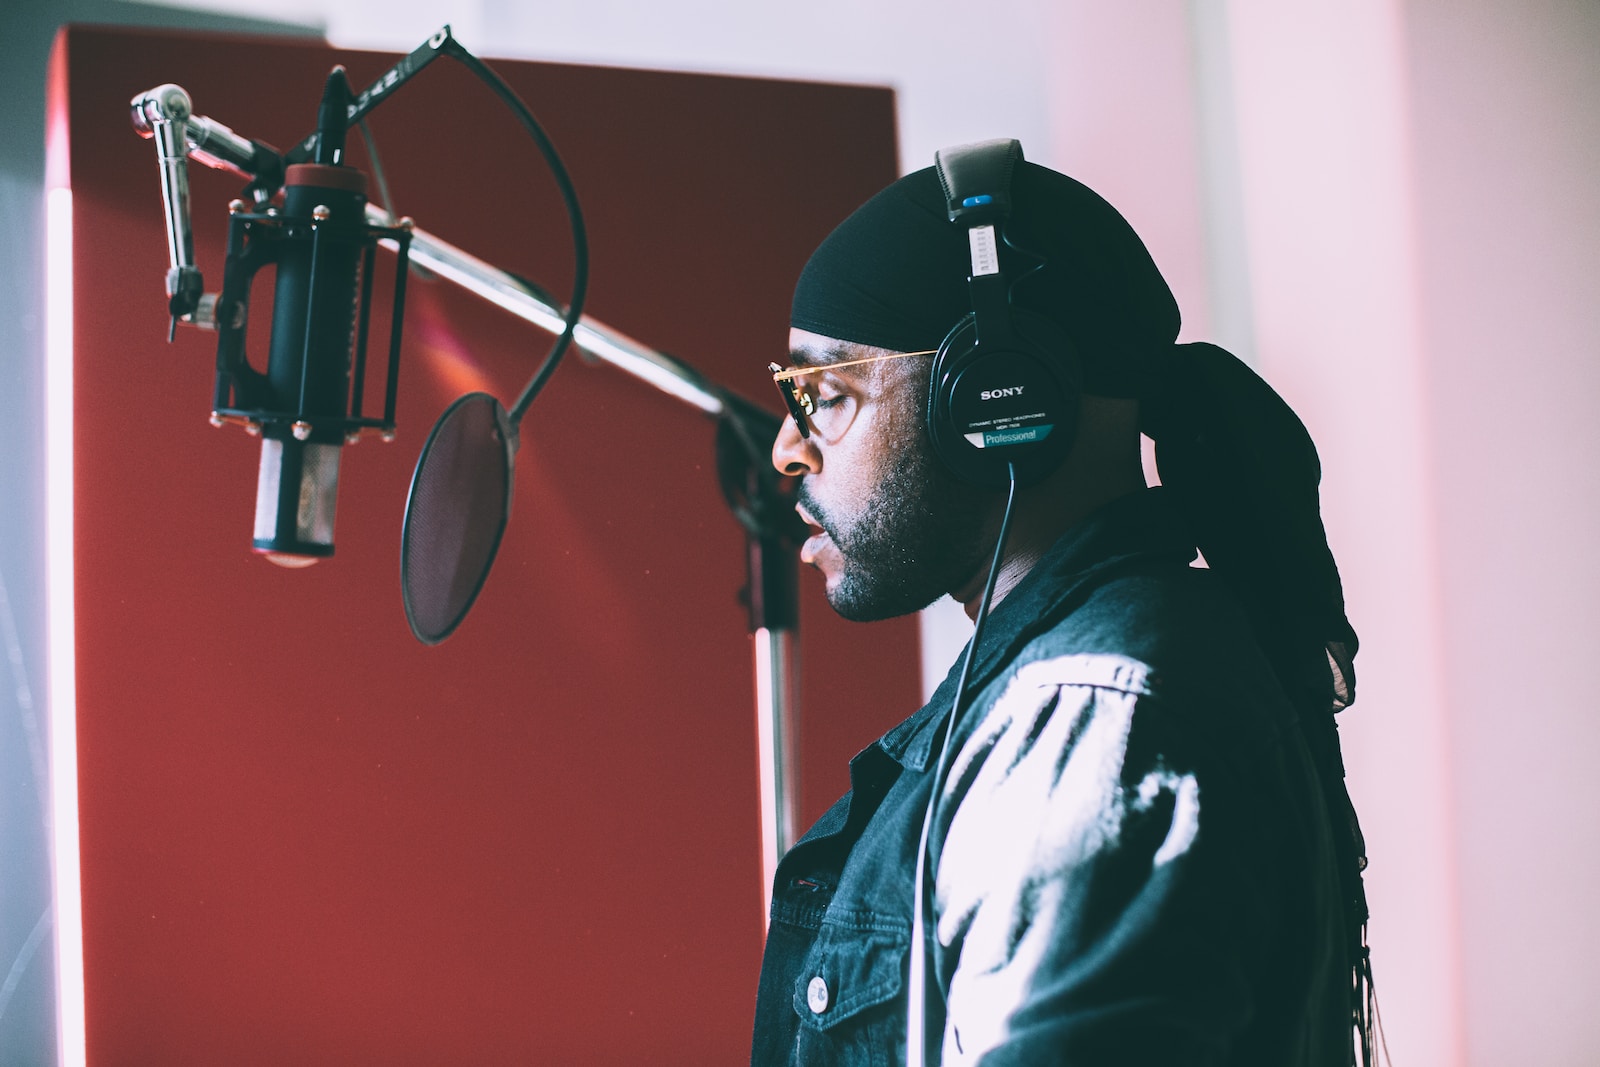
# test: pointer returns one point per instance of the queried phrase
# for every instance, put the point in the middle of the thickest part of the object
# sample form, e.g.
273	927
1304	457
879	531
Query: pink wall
1407	190
1329	200
1506	149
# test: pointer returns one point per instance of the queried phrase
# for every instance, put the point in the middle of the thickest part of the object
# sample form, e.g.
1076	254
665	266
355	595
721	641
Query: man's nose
793	454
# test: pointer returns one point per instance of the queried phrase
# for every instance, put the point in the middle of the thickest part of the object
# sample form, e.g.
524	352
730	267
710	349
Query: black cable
580	240
919	985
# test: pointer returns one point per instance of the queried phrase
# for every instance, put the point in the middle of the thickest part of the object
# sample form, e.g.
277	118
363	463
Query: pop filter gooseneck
460	497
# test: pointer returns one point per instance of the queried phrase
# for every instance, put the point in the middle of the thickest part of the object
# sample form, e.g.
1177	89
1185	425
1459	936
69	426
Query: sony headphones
1005	385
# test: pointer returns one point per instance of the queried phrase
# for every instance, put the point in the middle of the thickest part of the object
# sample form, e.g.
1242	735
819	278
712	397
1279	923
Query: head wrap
1237	459
894	275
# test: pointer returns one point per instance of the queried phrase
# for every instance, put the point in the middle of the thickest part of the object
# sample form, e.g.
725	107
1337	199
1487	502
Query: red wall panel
305	837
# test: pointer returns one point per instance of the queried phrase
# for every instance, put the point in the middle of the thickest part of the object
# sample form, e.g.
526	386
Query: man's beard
917	537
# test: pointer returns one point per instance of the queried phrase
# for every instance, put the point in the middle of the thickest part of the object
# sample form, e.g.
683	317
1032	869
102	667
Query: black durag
1232	453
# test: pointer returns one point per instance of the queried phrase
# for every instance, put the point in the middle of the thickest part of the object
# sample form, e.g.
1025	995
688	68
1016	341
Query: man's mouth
818	540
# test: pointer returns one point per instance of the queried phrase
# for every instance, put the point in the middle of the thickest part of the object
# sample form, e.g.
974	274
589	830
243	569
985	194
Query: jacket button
817	995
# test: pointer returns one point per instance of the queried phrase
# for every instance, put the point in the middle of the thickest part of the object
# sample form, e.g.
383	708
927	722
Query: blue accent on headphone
998	347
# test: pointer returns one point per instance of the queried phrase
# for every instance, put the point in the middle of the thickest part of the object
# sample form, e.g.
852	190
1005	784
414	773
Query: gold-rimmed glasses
831	416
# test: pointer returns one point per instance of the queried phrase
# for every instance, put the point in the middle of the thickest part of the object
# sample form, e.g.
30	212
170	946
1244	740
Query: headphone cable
919	990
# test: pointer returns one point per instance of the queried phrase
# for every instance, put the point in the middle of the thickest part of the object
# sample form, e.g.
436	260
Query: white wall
1389	207
967	85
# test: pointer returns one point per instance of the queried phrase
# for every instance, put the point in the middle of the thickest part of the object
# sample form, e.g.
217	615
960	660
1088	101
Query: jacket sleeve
1092	900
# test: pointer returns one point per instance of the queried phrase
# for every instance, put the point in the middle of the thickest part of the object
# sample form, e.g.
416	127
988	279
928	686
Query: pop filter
456	513
460	496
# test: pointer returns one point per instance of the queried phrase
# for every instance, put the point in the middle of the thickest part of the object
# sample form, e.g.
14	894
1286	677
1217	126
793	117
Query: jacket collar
1136	526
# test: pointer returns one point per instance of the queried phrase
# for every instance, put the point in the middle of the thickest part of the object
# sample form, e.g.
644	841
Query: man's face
893	530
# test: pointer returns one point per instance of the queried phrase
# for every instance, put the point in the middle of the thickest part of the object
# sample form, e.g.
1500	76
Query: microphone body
307	402
315	305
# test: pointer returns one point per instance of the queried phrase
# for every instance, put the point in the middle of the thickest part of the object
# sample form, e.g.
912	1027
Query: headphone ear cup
993	405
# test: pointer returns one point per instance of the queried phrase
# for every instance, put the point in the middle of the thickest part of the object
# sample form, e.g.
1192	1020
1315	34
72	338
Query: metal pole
504	290
775	717
775	648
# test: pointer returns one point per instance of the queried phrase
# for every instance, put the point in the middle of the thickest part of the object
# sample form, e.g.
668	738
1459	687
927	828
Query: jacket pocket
856	964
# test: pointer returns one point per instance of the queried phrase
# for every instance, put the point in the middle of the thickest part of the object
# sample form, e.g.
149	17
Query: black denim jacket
1133	864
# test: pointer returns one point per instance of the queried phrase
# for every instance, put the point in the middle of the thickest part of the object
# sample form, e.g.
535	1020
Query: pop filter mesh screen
460	500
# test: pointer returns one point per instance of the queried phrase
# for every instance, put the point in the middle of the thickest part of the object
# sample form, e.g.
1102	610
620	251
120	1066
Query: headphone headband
976	179
1004	385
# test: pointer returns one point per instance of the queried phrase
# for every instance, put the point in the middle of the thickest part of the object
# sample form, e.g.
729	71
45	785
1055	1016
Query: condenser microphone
315	305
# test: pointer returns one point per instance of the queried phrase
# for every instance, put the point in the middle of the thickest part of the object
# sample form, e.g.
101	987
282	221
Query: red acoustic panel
308	839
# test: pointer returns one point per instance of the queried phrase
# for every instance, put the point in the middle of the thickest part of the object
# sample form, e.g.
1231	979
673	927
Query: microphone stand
754	491
761	501
758	496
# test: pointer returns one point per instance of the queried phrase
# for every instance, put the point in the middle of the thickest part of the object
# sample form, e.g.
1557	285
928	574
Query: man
1140	849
